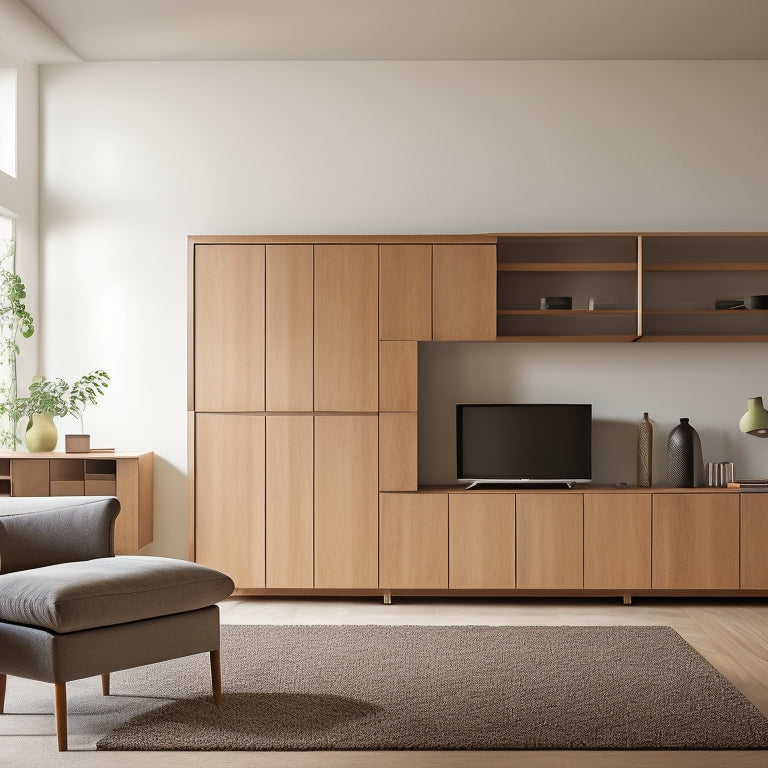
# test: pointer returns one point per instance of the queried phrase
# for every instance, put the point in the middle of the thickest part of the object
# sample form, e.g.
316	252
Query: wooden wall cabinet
405	292
303	392
128	476
463	292
550	536
413	541
695	541
481	541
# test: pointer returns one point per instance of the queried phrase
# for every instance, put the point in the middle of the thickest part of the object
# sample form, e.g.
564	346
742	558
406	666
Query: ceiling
151	30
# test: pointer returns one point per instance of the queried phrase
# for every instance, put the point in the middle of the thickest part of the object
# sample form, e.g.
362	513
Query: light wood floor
731	634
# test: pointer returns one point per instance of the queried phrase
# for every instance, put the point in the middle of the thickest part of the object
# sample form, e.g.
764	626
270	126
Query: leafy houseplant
55	397
15	321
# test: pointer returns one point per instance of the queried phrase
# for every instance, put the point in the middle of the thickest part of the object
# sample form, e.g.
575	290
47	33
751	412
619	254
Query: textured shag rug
441	688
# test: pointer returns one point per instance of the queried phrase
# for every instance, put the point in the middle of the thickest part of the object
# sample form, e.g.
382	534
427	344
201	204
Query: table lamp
755	420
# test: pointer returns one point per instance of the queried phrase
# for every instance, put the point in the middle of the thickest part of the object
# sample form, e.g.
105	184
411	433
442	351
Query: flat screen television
527	444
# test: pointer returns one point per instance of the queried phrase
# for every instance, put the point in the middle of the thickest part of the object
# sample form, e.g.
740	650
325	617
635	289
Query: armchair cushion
68	597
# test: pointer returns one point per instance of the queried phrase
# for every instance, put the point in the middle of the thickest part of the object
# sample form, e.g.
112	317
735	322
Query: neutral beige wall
136	156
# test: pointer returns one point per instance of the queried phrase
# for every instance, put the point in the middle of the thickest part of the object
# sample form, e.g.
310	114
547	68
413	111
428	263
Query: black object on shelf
556	302
685	466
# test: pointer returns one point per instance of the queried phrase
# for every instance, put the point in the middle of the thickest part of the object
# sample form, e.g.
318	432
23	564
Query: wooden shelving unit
299	479
602	267
665	287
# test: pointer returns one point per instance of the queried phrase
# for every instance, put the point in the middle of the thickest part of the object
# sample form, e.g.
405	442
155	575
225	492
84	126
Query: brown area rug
441	688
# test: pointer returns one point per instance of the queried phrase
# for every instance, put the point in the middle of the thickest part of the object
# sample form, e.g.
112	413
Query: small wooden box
77	443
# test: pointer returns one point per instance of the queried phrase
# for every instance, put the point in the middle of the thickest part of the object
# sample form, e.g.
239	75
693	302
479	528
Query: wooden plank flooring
731	634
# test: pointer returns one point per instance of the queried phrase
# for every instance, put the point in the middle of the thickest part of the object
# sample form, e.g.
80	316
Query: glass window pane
8	121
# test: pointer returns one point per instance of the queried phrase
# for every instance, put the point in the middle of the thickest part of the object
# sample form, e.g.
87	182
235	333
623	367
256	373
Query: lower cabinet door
550	531
695	541
413	540
229	495
617	541
754	541
346	502
290	502
481	541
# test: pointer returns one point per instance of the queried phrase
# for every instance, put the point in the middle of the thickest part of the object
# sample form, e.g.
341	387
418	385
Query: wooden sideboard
303	413
128	476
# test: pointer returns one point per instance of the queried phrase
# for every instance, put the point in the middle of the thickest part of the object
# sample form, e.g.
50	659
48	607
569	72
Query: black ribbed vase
685	466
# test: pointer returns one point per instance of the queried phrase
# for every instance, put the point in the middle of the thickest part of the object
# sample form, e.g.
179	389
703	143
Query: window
8	121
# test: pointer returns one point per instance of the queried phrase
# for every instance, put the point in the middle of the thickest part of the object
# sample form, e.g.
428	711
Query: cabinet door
414	541
754	541
482	541
398	452
695	541
289	310
346	328
405	292
290	500
550	543
617	541
464	292
398	376
229	495
346	501
229	327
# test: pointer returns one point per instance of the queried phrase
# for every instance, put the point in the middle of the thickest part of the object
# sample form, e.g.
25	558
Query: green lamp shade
755	420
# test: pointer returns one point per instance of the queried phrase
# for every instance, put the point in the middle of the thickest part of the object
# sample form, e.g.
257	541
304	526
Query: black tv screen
524	443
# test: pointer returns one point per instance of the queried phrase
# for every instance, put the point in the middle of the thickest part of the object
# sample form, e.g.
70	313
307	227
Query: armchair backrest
39	531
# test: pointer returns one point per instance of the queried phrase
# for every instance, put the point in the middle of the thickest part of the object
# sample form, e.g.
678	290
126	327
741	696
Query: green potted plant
55	397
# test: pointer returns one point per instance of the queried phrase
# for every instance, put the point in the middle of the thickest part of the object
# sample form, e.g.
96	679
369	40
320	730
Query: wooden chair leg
60	708
3	678
216	675
105	684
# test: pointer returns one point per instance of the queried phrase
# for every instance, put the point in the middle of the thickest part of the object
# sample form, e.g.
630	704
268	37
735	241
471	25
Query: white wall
136	156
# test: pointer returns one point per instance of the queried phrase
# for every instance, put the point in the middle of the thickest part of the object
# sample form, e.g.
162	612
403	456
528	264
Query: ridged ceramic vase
685	466
644	452
42	434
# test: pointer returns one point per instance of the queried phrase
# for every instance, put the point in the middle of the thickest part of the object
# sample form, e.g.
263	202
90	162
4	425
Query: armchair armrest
40	531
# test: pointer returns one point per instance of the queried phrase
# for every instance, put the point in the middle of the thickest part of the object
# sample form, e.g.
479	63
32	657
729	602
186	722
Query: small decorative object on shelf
77	443
729	303
644	452
602	304
556	302
756	302
685	467
719	474
41	434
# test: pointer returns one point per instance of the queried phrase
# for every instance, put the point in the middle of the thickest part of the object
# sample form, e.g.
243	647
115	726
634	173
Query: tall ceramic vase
42	434
644	452
685	466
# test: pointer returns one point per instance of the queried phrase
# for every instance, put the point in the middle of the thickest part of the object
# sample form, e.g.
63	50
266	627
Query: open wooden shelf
670	283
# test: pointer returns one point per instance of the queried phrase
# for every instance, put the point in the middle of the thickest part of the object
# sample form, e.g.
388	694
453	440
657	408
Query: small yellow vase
42	434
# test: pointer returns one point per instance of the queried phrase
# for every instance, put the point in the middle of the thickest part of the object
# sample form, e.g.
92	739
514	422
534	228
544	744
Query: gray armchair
70	609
